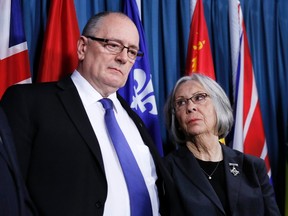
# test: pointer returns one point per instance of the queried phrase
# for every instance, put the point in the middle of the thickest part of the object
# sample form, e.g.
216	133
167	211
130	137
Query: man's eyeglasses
115	47
198	98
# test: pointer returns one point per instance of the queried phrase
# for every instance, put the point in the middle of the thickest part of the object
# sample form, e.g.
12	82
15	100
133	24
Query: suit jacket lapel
75	109
233	181
189	165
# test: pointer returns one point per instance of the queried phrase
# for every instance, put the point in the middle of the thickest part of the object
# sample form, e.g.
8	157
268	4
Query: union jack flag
14	59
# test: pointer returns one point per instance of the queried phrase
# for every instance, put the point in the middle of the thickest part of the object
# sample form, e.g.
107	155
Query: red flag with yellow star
199	57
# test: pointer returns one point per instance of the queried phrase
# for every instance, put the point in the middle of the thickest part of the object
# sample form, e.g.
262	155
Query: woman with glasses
211	178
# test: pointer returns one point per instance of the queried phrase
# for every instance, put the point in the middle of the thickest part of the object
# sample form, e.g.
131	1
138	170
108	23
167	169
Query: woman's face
196	116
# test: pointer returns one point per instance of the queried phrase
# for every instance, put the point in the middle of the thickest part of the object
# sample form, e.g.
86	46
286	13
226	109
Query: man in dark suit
14	199
65	152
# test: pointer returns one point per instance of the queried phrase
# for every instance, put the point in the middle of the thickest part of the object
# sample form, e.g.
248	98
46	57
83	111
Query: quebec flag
138	91
14	59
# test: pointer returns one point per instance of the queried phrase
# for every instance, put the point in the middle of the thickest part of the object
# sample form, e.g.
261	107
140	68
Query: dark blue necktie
140	204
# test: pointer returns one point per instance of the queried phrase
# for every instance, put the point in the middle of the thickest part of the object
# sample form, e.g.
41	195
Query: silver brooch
233	169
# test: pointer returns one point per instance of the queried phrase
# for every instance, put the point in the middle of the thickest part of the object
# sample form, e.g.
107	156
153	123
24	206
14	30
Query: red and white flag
249	135
14	59
199	56
59	52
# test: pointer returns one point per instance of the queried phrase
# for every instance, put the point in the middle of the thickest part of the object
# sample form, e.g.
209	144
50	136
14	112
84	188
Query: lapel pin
233	169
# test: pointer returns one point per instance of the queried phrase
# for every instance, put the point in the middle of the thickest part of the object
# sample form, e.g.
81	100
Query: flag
199	57
14	59
59	51
138	91
249	135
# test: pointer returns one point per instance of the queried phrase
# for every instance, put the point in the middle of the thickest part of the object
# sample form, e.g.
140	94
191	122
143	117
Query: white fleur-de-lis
144	98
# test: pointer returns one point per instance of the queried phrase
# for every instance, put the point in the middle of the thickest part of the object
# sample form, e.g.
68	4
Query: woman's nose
191	107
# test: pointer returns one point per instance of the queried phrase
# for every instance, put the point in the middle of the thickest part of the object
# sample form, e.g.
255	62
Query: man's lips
115	69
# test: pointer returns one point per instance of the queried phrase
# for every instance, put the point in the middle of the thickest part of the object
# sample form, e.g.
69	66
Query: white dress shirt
117	202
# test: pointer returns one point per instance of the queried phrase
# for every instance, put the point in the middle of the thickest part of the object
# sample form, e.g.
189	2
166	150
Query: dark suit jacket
14	198
59	153
249	192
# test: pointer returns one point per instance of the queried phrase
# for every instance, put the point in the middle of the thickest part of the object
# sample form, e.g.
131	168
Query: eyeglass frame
192	99
105	40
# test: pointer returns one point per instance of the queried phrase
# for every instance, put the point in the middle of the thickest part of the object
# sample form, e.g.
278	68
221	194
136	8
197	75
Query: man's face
107	71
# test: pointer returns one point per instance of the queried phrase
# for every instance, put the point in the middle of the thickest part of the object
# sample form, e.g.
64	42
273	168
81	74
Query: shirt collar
88	94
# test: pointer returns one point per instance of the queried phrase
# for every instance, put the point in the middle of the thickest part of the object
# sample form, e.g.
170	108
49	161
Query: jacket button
98	204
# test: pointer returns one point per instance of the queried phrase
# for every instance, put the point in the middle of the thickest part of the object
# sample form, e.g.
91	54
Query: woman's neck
206	149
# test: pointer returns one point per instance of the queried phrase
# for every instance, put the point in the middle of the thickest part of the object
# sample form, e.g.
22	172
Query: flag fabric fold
14	58
59	51
199	56
249	135
138	91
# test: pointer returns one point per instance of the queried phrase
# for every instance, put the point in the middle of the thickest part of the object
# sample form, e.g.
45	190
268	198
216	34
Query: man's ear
81	47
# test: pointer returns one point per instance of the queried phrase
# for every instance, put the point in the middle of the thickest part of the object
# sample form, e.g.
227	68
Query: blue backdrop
167	25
